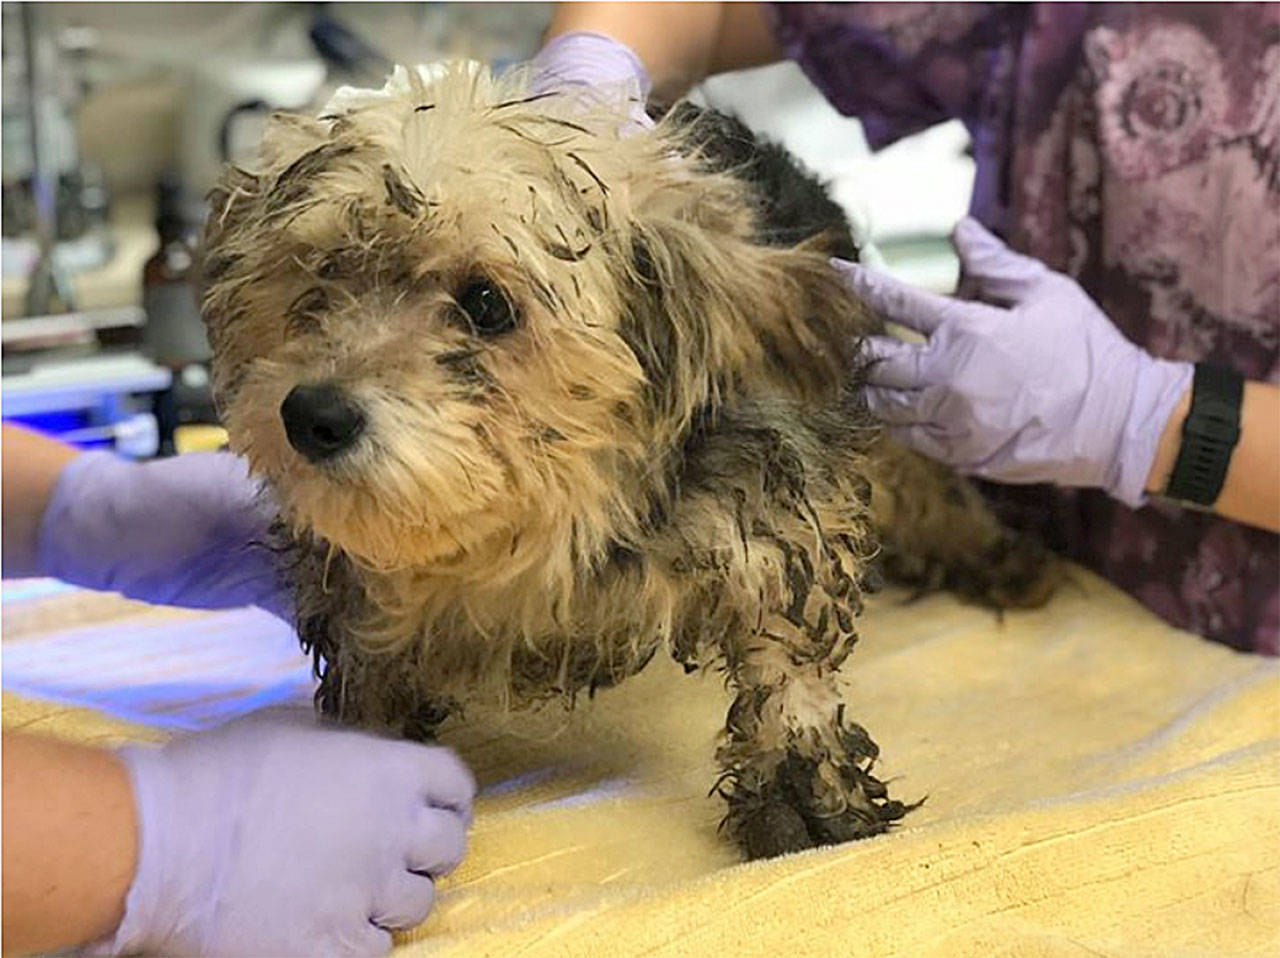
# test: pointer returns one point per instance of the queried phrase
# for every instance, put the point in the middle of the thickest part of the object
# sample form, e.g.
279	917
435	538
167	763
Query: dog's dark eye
487	308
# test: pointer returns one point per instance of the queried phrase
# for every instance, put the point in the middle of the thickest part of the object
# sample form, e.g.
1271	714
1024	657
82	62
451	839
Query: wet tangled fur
666	449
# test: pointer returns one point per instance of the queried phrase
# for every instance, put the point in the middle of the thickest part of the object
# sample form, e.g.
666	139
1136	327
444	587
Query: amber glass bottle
175	336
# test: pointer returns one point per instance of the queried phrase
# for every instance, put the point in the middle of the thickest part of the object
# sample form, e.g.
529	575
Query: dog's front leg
796	773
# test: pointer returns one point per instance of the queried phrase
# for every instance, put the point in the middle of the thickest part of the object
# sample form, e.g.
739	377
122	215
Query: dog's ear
810	325
712	312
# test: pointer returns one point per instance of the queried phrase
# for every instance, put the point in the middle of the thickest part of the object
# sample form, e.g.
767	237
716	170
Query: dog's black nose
320	421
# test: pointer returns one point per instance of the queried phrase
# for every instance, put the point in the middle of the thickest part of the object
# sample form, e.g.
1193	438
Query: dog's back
794	205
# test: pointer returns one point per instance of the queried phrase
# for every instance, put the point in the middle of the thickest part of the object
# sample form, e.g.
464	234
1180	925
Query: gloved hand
596	68
182	531
1032	385
279	835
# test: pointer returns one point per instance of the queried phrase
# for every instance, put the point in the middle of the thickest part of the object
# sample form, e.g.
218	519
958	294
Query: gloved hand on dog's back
1031	384
594	67
186	531
277	835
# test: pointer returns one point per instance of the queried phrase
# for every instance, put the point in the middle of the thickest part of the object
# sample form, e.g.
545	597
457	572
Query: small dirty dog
538	400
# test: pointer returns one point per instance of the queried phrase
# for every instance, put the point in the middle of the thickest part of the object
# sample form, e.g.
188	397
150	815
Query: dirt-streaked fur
668	450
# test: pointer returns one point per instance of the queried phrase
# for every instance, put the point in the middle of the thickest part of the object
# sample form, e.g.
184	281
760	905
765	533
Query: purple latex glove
279	835
182	531
1034	384
597	68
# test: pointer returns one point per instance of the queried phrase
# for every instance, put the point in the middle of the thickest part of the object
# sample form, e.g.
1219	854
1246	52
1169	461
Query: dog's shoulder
762	452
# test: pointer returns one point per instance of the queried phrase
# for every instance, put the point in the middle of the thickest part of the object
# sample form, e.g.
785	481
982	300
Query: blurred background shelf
80	383
116	283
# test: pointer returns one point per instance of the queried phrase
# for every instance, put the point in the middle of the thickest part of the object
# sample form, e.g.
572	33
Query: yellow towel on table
1097	783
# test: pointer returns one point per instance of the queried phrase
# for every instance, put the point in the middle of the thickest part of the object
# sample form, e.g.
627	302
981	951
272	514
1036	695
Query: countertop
119	282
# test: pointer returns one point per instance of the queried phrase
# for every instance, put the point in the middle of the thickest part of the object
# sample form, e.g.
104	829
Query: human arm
678	44
1251	490
69	843
32	464
164	850
1035	384
181	531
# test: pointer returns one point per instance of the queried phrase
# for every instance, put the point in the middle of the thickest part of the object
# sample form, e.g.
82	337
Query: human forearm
70	843
32	464
1251	489
678	43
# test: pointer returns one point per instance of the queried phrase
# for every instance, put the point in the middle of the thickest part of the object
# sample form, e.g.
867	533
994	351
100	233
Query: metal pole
48	283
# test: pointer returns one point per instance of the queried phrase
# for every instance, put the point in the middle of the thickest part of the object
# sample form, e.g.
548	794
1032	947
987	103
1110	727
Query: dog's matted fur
538	399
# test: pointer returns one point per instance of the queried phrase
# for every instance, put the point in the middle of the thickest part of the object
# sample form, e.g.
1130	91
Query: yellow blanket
1097	783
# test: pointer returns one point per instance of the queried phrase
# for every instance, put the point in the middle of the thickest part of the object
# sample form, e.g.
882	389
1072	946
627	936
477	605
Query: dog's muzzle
321	421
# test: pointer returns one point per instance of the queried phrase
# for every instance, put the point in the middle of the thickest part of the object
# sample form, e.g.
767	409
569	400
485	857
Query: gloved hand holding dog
1031	384
185	531
276	835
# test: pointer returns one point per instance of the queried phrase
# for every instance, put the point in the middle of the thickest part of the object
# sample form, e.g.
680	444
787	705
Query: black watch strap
1209	435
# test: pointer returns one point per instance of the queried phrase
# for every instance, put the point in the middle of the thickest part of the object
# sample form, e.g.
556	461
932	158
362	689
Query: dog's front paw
769	829
806	803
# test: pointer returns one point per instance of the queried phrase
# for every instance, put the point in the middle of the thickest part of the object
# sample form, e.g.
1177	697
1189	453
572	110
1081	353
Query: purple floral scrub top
1137	148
